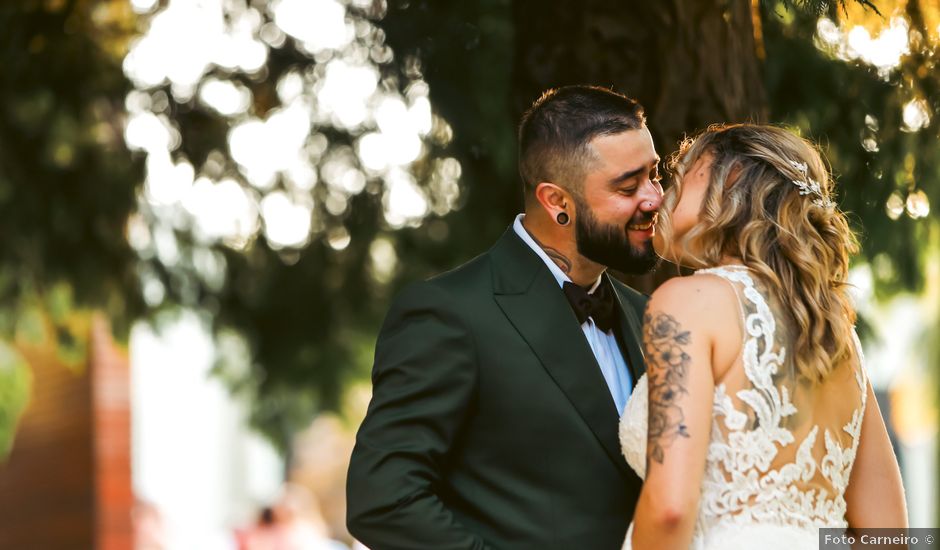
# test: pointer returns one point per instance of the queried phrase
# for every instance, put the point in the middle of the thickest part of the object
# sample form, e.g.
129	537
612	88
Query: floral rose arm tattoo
668	372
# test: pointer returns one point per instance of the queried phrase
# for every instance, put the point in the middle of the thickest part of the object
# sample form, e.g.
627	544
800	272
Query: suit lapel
631	333
530	297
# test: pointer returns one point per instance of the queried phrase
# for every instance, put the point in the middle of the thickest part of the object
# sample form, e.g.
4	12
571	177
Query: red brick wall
67	482
111	428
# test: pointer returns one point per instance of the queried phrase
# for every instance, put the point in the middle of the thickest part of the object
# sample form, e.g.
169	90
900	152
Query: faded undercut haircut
556	132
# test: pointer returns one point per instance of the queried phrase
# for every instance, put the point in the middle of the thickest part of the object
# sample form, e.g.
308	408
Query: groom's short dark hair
556	132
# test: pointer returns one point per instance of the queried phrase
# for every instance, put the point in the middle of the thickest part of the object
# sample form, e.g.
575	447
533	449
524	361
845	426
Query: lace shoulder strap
862	378
755	315
860	375
763	356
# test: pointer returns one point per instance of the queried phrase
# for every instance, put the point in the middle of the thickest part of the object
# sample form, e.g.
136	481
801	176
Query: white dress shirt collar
604	346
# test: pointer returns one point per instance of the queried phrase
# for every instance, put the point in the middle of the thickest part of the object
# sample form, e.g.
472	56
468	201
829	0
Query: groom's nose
651	197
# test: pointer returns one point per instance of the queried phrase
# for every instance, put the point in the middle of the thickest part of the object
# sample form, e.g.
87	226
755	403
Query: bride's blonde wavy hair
752	210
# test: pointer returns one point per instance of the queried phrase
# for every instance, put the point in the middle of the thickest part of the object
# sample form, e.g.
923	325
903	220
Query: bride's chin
659	246
673	255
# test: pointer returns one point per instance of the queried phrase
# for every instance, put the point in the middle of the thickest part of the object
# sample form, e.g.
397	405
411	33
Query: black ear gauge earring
562	218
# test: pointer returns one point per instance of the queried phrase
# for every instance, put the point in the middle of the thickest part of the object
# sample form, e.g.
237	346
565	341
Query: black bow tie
598	306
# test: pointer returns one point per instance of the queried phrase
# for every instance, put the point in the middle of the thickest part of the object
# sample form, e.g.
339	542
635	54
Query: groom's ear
553	199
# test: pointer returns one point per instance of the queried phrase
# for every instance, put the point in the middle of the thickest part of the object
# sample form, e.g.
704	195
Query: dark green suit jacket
491	425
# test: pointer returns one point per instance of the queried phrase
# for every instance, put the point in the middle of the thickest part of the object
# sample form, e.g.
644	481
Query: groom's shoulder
465	283
477	269
470	278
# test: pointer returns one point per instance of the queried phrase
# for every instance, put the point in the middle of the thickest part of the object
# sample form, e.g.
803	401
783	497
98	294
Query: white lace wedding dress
781	449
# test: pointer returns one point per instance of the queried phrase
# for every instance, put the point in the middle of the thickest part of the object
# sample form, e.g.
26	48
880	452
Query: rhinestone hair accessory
809	186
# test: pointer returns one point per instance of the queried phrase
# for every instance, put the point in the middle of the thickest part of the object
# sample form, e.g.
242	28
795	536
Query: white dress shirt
603	344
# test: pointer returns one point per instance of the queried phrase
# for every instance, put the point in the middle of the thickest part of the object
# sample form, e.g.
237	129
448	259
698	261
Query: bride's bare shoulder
694	292
706	308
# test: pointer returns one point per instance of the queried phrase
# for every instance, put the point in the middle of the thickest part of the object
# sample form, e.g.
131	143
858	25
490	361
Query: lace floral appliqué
740	485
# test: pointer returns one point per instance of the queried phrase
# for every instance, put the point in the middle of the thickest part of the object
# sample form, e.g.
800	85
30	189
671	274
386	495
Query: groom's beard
609	245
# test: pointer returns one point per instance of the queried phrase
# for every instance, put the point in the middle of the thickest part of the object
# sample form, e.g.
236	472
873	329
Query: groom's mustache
644	219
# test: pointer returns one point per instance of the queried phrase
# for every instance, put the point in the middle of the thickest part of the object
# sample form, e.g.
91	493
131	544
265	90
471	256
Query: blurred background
207	205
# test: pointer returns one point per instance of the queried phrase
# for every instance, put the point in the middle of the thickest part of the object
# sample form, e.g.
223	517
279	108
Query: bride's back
782	445
787	390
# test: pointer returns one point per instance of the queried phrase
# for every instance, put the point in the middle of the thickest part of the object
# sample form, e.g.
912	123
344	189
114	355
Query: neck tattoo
562	261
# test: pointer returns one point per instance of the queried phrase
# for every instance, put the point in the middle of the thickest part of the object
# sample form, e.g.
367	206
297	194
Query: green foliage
292	321
856	115
66	182
465	53
822	7
15	385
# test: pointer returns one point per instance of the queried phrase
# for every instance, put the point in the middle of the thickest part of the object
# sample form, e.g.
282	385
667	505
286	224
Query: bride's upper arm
678	336
708	306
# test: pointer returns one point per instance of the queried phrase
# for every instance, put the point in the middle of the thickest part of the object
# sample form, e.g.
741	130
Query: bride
755	424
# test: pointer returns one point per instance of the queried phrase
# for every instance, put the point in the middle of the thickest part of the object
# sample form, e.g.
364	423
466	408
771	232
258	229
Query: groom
498	386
